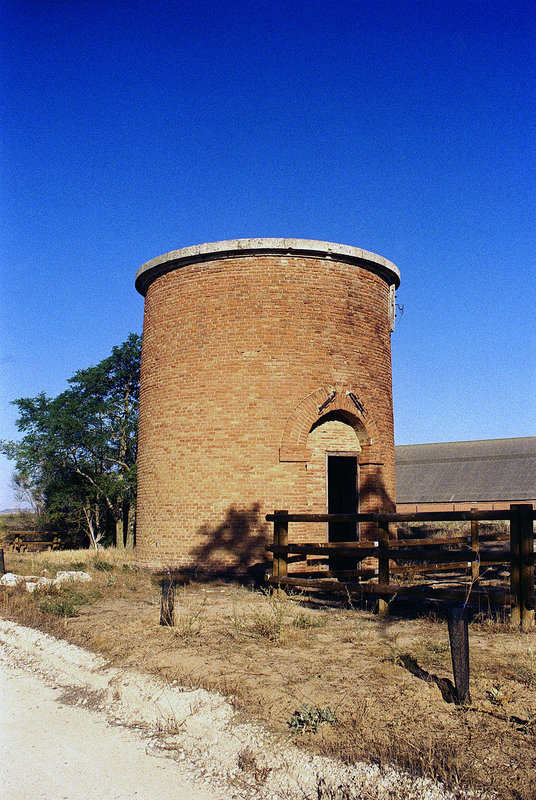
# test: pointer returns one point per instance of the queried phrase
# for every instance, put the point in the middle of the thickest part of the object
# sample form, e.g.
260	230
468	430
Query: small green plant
67	602
437	648
101	565
434	652
308	718
78	565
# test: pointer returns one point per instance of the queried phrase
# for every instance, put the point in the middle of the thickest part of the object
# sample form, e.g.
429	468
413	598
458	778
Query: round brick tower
265	383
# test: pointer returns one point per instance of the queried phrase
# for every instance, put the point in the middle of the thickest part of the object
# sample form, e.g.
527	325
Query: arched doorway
333	476
342	497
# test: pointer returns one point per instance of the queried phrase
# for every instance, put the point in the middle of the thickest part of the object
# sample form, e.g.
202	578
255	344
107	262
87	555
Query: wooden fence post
526	565
475	545
383	566
522	565
515	567
459	650
280	560
167	603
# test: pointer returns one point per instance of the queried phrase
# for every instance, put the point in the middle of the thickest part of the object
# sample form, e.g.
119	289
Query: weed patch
308	718
267	625
304	621
189	621
101	565
268	622
78	566
67	601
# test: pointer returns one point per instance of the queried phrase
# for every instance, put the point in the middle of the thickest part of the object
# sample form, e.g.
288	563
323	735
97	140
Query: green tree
78	451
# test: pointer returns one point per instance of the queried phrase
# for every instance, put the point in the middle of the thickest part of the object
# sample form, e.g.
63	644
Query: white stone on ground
32	582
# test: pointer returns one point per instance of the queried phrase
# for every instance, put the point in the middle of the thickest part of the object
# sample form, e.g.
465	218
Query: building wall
481	505
239	352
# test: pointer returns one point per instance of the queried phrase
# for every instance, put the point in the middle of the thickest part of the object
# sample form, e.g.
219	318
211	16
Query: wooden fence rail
473	551
33	541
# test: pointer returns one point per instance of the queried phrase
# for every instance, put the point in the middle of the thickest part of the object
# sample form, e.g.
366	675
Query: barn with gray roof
456	476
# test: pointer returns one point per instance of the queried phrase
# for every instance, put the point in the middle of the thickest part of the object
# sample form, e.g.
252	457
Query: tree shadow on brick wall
235	548
374	498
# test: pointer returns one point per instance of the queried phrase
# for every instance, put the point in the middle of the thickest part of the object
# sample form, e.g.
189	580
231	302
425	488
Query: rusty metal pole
459	650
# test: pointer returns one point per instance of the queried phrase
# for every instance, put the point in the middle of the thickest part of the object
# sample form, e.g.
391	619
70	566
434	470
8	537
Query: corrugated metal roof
486	469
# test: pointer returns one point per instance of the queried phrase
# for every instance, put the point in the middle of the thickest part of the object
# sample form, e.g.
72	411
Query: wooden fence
32	541
474	551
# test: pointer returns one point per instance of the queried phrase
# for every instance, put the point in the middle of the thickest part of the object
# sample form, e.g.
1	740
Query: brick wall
239	352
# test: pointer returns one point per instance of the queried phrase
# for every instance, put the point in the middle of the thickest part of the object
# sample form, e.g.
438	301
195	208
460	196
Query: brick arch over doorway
318	404
348	404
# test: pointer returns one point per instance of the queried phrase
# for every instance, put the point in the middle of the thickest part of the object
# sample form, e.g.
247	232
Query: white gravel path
195	730
52	751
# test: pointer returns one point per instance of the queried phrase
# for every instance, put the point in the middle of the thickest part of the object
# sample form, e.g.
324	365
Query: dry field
275	655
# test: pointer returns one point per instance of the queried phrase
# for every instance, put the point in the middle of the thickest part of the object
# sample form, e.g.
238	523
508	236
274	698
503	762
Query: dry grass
444	529
274	654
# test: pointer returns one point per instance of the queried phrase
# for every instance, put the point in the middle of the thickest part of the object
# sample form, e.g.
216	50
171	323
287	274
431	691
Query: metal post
459	650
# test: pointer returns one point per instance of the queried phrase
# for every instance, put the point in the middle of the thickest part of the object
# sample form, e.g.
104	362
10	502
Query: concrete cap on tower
238	247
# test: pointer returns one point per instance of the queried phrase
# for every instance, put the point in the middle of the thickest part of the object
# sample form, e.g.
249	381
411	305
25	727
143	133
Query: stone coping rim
236	247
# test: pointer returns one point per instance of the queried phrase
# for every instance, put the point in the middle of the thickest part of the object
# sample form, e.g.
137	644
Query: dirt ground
275	655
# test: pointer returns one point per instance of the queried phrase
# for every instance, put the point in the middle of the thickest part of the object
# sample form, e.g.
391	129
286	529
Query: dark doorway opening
342	495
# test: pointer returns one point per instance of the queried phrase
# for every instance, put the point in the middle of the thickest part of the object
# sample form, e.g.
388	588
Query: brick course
239	351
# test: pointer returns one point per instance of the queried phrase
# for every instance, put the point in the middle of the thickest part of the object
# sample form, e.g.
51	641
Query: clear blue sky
406	128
